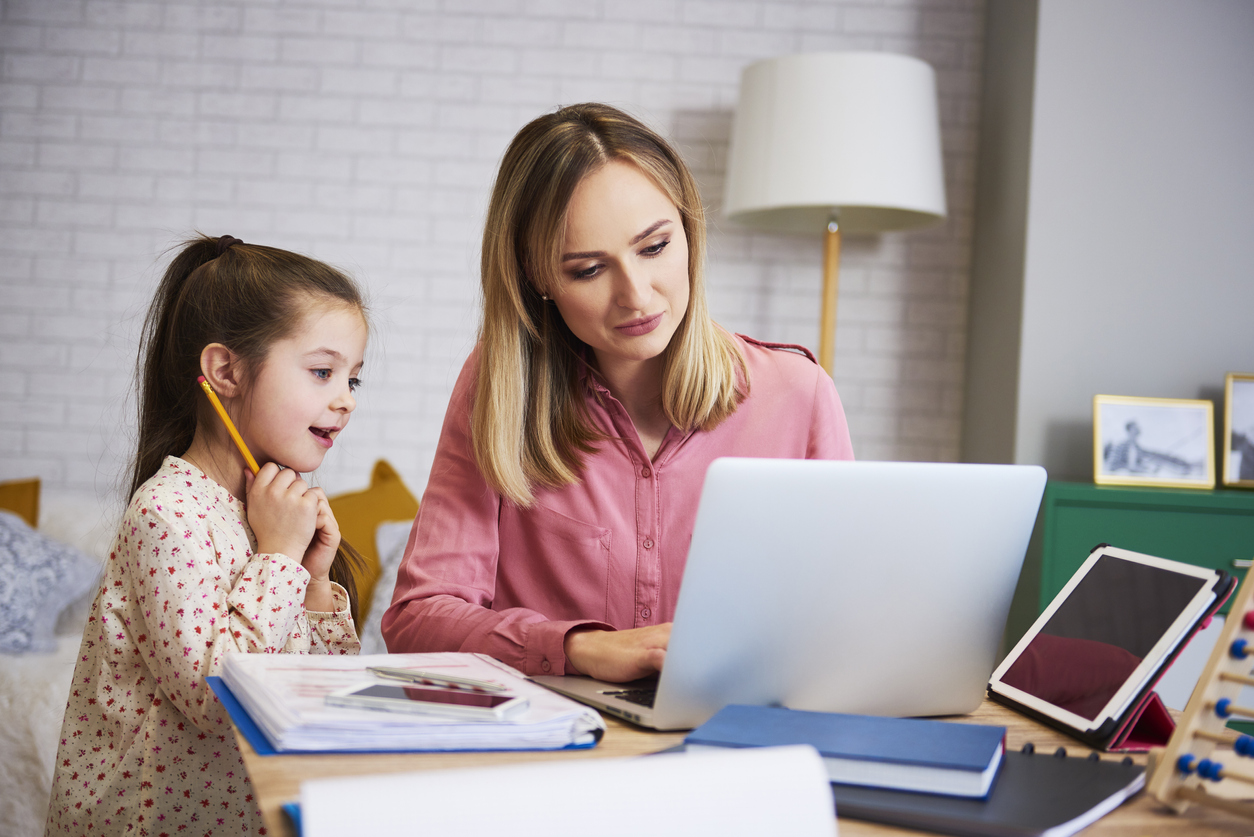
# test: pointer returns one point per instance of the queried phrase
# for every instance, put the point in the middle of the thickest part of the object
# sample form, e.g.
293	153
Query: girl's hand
319	555
282	511
618	656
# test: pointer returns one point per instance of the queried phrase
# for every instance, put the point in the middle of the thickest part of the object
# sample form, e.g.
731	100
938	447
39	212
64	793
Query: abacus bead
1185	763
1203	768
1238	650
1248	619
1244	745
1221	707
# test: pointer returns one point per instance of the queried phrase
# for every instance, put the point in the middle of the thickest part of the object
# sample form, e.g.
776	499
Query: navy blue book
910	754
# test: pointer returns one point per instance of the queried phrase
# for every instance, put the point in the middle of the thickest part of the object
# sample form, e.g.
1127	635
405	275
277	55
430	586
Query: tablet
1095	653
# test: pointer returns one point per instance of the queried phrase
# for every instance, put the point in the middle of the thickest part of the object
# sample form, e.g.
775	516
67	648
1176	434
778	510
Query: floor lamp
835	142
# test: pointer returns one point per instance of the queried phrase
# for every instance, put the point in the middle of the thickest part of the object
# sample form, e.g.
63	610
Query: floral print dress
146	748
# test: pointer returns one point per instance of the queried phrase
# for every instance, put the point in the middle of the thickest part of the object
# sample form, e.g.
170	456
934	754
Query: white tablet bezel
1150	664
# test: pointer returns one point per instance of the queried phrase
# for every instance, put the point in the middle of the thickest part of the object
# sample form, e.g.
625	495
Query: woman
555	525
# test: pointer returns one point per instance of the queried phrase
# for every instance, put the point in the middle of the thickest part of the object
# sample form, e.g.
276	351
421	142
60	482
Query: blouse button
648	543
646	473
544	665
645	613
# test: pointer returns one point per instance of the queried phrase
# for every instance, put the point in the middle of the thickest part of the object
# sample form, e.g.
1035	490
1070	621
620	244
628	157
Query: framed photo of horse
1154	441
1239	430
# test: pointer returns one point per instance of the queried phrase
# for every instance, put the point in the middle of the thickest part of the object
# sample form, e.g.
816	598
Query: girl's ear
222	369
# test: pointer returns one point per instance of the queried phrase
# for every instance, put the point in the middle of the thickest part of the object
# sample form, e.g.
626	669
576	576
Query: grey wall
995	320
1136	276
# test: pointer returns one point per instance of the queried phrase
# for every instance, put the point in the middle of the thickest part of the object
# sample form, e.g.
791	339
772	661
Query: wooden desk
276	779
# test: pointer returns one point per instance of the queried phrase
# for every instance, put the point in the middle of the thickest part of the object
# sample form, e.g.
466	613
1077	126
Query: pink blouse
481	574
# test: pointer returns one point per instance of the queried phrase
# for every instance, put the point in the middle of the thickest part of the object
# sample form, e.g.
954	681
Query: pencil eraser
200	379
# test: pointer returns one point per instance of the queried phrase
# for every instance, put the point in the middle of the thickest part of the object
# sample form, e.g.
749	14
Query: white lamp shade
854	134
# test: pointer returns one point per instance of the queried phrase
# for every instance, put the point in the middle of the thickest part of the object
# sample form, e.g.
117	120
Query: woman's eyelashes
655	249
650	251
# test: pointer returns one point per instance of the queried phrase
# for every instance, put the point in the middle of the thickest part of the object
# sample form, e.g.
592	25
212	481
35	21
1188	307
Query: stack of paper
285	694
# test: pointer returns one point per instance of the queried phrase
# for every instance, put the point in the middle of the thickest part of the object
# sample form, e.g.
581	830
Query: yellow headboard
361	512
22	498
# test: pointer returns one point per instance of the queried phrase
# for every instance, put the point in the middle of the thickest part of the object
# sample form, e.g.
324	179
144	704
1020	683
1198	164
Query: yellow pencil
230	425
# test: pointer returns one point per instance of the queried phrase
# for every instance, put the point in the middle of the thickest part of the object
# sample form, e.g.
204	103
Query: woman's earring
545	297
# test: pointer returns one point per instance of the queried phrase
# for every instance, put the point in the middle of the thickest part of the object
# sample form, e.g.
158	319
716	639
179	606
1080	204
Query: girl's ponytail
167	397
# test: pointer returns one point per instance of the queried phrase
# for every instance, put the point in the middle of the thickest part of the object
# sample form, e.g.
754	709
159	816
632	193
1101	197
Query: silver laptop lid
878	588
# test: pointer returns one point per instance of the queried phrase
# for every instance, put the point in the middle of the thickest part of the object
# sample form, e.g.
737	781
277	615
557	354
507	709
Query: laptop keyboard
643	696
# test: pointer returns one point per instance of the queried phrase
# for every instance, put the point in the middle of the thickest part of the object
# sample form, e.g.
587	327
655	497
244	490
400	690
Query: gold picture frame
1153	441
1238	470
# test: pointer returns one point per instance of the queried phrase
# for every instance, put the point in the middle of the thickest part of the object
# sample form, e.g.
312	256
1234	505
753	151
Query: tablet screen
1101	633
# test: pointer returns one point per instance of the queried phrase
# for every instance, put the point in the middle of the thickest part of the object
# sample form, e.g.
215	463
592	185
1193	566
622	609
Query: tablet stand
1202	744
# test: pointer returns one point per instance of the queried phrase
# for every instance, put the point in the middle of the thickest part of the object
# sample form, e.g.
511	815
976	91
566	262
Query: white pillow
87	523
390	539
81	519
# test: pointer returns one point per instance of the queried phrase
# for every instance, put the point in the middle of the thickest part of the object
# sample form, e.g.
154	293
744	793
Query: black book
1034	795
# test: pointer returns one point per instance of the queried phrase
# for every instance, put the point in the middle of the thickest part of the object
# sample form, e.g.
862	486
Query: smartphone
430	700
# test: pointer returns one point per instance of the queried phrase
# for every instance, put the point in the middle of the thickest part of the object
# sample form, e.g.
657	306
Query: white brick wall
366	132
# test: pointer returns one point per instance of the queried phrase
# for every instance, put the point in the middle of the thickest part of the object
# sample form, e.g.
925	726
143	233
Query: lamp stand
831	283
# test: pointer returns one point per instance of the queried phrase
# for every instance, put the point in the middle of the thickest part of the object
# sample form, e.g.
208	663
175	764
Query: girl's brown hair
245	297
528	424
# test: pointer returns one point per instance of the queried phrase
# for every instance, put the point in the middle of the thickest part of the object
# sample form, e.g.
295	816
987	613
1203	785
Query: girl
196	572
555	525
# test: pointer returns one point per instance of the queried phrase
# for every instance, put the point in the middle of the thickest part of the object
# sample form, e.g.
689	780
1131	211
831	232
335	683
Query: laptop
876	588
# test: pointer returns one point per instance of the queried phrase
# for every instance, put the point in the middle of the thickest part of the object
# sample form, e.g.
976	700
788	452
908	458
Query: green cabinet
1206	528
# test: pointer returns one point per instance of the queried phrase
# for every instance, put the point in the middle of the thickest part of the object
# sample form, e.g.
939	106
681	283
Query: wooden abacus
1180	772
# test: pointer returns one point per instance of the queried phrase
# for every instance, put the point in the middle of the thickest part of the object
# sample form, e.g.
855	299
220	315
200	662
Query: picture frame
1153	441
1238	470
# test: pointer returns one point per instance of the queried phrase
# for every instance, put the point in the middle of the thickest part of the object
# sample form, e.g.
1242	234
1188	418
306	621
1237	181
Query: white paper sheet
750	792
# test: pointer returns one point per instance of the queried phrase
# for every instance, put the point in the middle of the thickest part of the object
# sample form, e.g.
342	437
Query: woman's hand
618	656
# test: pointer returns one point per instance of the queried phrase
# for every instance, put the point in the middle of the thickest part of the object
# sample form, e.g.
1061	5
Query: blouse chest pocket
553	563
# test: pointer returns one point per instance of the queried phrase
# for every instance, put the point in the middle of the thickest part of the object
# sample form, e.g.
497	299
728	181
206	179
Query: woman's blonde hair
528	423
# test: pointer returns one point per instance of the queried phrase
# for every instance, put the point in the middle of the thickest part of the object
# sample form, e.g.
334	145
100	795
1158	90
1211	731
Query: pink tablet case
1149	725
